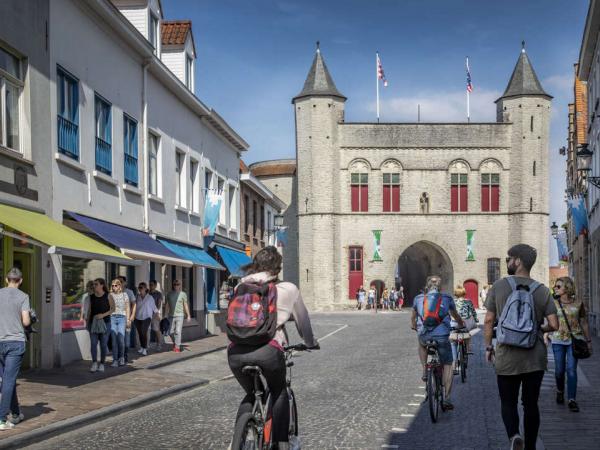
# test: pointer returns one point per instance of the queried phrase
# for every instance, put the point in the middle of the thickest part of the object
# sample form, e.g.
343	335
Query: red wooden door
472	294
355	272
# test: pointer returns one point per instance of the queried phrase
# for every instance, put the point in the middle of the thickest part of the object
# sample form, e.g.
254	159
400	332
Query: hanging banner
561	245
470	241
578	214
212	209
377	245
281	237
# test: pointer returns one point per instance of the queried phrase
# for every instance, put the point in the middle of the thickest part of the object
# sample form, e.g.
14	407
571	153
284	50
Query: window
391	192
493	270
459	194
153	32
67	94
254	214
11	87
232	208
153	159
359	192
269	226
531	124
223	210
180	188
262	222
130	150
189	73
103	136
194	194
490	192
246	214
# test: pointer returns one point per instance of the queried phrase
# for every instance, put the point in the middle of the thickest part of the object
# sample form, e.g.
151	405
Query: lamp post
584	165
554	229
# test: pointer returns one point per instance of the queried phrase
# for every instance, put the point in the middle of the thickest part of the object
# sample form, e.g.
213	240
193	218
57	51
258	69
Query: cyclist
431	319
270	357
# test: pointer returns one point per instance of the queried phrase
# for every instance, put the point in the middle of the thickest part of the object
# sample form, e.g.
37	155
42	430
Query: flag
281	237
579	214
562	247
377	245
212	209
469	84
470	241
380	73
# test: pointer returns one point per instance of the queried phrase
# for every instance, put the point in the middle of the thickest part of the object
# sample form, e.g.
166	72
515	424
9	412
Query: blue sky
253	57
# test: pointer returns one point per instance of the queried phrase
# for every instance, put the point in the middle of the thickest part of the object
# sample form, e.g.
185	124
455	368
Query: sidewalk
48	397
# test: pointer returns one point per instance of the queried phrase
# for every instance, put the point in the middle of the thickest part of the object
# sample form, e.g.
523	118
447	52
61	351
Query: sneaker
115	363
4	425
516	443
140	351
100	367
176	349
144	352
15	419
121	361
573	406
560	397
447	405
94	367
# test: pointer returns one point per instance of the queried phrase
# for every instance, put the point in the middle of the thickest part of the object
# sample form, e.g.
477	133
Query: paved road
362	391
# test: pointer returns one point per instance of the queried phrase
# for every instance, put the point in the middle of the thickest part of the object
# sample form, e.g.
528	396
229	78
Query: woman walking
101	307
119	321
573	324
145	310
385	299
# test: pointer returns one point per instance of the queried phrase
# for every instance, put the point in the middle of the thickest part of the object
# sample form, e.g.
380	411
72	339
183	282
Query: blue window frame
67	94
103	136
130	149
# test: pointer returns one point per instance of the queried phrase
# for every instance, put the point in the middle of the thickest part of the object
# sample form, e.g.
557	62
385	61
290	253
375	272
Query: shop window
359	191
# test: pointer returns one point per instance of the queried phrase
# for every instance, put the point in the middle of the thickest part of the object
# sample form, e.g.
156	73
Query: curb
159	364
64	426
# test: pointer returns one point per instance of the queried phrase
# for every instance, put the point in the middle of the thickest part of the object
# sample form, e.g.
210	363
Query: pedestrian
483	295
14	317
101	308
119	321
177	308
385	299
400	297
361	297
371	298
393	299
85	301
145	311
573	324
129	336
520	355
159	301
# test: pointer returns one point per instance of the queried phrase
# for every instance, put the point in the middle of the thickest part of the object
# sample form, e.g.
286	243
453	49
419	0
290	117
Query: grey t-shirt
514	360
12	302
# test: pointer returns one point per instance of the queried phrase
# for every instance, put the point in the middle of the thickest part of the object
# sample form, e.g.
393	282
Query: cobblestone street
361	391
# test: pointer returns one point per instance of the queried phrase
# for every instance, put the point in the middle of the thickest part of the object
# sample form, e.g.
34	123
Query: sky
253	57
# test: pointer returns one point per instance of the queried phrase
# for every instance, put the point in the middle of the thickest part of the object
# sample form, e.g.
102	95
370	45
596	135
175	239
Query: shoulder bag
580	347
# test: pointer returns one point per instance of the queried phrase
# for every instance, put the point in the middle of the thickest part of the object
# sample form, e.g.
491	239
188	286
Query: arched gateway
419	261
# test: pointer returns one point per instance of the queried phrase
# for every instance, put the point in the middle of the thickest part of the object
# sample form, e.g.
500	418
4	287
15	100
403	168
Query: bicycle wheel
432	395
293	429
462	363
246	435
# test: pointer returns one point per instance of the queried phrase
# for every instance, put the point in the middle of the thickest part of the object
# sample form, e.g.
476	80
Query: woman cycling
468	314
270	356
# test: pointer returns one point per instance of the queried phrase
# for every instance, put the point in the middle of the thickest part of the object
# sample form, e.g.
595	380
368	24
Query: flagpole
468	98
377	81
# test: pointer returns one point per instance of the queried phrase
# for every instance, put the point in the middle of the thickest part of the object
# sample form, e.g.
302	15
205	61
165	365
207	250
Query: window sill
105	178
67	161
195	214
156	199
17	156
132	189
182	209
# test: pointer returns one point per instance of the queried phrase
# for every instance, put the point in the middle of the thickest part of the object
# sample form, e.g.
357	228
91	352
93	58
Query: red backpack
431	310
252	314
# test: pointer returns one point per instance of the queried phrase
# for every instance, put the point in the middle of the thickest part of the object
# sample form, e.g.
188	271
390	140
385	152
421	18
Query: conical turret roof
318	81
524	81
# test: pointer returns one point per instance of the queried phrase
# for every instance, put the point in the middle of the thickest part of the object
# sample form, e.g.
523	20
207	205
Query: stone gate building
390	203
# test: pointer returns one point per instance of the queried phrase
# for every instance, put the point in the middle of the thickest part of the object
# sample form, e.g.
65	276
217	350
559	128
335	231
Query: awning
59	238
133	243
234	260
194	254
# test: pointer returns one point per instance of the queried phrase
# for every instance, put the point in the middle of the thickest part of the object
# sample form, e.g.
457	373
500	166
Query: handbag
580	347
98	326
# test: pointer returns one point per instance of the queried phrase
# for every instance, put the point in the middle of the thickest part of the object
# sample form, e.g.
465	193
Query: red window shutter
355	198
464	199
485	197
386	198
364	198
396	198
495	198
453	198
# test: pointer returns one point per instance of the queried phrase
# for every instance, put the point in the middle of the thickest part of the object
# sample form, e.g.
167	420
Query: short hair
433	282
153	281
14	274
267	260
123	278
459	291
526	253
569	285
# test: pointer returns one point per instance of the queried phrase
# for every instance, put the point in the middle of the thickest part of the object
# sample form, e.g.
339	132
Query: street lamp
584	165
278	220
554	229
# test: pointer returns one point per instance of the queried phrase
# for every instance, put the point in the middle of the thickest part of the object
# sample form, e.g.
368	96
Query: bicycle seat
431	347
251	370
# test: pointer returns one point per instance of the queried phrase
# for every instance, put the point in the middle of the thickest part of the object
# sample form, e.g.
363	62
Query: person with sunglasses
119	321
176	309
101	308
571	309
145	311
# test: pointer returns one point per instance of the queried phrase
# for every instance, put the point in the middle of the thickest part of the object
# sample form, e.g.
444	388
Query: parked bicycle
435	383
253	430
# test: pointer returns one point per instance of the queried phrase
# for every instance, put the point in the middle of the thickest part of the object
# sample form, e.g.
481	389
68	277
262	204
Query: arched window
490	186
391	186
359	186
459	189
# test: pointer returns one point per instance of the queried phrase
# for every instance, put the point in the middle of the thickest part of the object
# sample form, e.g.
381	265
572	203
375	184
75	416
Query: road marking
407	415
418	395
332	333
399	430
414	404
228	377
421	387
389	446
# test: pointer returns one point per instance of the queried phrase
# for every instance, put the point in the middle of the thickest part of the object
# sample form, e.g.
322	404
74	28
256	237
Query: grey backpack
517	325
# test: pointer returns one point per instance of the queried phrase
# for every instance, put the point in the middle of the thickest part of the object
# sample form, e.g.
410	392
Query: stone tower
318	108
526	106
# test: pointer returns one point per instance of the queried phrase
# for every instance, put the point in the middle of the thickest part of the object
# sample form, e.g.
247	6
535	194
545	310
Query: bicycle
462	354
434	380
253	430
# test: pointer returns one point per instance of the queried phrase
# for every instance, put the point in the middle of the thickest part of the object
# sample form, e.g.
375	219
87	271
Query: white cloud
559	85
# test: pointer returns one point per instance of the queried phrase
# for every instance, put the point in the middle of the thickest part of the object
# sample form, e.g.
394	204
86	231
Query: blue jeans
117	333
564	361
11	357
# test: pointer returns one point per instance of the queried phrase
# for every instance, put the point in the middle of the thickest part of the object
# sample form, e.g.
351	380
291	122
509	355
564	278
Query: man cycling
431	319
269	356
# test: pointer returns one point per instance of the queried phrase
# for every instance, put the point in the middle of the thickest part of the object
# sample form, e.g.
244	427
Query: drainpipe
145	144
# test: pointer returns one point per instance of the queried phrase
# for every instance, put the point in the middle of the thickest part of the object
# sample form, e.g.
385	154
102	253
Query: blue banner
281	237
578	214
561	245
212	209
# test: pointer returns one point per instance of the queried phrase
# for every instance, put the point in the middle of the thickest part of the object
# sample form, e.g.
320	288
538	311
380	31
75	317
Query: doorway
472	288
23	259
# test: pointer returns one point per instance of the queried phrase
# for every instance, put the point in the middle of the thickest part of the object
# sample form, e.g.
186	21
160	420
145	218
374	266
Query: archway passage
419	261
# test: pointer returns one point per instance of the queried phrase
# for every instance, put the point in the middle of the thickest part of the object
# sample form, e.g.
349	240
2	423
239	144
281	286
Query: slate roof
174	32
524	81
319	82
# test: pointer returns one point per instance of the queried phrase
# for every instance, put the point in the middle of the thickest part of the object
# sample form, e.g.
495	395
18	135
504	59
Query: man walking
158	300
177	308
519	365
14	316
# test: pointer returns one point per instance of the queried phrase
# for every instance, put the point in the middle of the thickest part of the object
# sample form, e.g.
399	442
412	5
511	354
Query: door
212	299
23	260
472	294
355	273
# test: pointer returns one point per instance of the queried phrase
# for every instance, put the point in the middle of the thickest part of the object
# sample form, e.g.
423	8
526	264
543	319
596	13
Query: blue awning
234	260
194	254
133	243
